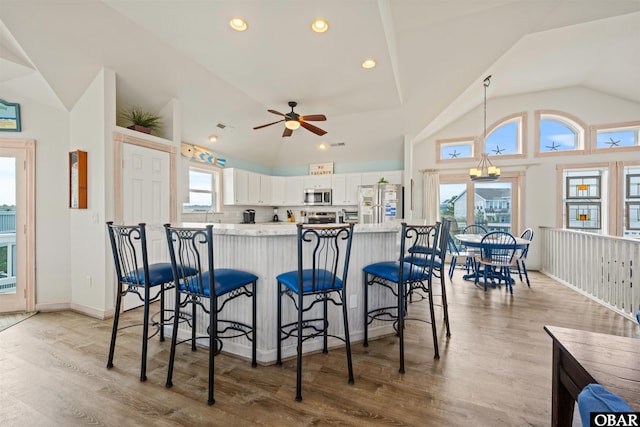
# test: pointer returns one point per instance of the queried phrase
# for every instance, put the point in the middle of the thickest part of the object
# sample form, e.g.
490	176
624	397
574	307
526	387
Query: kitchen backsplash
233	214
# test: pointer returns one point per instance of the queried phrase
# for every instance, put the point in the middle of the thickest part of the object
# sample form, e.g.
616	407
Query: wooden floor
495	370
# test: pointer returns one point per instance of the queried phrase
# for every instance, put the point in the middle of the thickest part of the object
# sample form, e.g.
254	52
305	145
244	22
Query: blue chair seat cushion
390	270
423	260
159	274
324	281
225	280
595	398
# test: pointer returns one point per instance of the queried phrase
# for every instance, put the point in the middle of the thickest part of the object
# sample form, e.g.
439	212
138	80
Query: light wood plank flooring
495	370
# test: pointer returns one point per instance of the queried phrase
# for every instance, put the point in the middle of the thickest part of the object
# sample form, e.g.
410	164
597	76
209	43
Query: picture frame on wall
9	116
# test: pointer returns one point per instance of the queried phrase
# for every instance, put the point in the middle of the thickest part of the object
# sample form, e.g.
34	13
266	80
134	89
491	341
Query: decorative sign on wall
321	168
202	155
9	116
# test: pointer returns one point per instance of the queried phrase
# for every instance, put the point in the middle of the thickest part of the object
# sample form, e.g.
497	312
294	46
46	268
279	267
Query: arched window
506	137
558	133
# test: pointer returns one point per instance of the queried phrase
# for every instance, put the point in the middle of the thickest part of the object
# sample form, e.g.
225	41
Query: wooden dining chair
497	250
472	252
397	280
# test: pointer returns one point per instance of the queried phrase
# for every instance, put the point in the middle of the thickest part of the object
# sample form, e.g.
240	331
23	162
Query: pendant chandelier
485	171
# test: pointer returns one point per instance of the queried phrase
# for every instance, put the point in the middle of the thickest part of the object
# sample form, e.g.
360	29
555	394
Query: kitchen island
269	249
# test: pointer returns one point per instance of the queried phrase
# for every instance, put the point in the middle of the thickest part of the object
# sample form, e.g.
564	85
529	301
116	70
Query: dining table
475	241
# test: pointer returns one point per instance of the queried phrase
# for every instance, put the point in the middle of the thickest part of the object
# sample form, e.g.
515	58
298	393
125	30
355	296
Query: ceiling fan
293	121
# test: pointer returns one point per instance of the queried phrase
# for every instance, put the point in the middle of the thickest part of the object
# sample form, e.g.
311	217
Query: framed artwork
78	179
9	116
583	187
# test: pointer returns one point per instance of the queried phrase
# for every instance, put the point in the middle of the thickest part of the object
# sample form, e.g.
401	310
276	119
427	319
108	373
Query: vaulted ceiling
432	56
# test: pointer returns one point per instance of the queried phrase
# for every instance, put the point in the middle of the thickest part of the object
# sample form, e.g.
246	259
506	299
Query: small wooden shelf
78	179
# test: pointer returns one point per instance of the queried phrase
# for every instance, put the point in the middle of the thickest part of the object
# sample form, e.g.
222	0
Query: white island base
267	250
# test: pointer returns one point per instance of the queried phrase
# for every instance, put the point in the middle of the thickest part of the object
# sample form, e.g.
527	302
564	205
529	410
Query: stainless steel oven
317	196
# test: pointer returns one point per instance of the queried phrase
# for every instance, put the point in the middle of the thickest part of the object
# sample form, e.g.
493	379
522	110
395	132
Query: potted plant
141	120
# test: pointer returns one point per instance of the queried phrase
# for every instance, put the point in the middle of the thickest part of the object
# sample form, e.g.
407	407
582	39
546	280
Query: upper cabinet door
317	181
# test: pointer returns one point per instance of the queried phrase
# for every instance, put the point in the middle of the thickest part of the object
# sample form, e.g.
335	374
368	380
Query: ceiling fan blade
314	118
268	124
312	128
287	132
276	112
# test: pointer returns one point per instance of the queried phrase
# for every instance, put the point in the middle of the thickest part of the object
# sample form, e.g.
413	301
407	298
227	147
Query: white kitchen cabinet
278	191
317	181
240	187
235	187
259	189
345	188
294	189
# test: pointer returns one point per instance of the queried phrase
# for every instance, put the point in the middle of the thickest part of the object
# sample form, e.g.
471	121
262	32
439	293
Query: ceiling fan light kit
293	121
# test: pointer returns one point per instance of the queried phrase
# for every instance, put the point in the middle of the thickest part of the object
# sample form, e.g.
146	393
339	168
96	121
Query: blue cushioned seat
389	270
225	280
159	273
324	281
595	398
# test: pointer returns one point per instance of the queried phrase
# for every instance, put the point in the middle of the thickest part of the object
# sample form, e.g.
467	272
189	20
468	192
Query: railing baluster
598	266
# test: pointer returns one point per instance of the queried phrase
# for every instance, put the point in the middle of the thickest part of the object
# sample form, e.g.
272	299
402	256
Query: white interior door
145	198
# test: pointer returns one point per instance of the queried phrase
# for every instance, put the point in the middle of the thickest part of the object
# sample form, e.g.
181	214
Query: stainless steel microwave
317	196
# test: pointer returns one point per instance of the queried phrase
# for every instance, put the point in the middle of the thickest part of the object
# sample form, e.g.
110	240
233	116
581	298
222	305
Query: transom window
558	133
455	149
505	139
624	137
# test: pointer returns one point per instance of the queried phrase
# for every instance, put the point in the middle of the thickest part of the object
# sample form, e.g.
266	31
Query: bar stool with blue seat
398	279
136	276
421	255
323	253
213	290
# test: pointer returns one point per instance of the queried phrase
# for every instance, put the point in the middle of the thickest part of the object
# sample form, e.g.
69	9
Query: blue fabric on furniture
324	281
595	398
159	273
389	270
225	280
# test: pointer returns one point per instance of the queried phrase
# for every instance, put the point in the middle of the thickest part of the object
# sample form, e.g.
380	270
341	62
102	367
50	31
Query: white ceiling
432	56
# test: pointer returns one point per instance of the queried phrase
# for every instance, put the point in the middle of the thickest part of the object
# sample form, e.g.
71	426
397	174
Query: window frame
473	140
568	120
214	171
593	131
521	143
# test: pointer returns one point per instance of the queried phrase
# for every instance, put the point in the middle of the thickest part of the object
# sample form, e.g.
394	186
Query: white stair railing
600	267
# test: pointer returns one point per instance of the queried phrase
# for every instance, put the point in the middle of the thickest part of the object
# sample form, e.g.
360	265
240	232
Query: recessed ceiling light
213	138
368	63
319	25
322	146
238	24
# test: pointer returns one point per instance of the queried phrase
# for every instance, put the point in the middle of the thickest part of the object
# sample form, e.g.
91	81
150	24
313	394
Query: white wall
540	195
49	127
87	228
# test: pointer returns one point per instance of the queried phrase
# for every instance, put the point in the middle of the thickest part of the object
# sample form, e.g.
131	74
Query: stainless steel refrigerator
379	203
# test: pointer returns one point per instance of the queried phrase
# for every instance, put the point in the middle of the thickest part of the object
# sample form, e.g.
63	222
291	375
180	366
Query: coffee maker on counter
249	216
275	215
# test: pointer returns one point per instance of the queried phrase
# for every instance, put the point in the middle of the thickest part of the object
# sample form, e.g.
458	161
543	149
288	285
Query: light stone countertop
285	228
